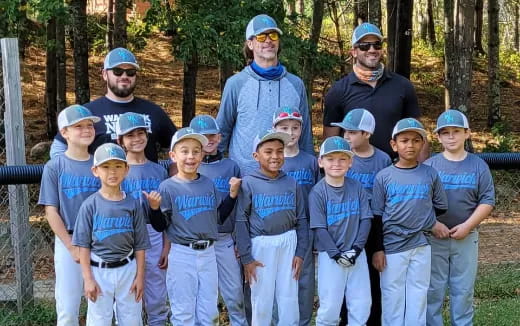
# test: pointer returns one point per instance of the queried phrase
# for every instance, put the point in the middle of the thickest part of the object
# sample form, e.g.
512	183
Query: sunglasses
119	72
272	35
365	46
292	114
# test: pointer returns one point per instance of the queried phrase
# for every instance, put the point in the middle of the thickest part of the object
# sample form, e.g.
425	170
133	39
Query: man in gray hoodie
251	97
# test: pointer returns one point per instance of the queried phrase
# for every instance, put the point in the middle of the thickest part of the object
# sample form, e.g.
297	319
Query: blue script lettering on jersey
222	184
340	211
458	181
302	176
105	227
189	206
135	187
73	185
366	179
266	205
403	192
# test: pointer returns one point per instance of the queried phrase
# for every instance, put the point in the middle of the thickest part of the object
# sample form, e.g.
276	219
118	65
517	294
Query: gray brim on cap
199	137
346	151
93	118
456	125
277	135
109	159
346	126
420	131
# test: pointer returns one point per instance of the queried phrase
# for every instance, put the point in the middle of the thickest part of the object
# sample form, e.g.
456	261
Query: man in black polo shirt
387	95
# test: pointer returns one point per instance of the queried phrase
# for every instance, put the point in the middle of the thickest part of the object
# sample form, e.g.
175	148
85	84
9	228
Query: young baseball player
272	232
406	200
66	182
111	233
191	209
341	219
471	197
220	170
358	126
144	175
303	167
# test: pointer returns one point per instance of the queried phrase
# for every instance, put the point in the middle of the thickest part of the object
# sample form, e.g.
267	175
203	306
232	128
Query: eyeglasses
263	37
287	114
119	72
365	46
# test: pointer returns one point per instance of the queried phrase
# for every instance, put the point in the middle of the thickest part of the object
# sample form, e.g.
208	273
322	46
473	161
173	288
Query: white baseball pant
155	281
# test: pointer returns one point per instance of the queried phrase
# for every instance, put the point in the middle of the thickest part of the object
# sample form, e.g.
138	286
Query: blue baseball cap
205	124
357	120
409	124
452	118
118	57
270	134
286	113
74	114
335	144
188	133
260	24
108	152
365	29
130	121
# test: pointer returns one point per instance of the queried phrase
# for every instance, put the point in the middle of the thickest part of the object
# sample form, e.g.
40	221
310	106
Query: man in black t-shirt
120	73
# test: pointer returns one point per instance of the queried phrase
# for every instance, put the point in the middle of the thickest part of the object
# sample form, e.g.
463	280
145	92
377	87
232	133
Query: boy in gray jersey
303	167
66	182
190	209
272	232
471	197
406	200
111	231
220	170
145	176
341	219
358	126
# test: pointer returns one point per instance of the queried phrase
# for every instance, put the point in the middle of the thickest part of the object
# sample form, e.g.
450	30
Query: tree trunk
300	6
479	14
120	23
189	86
360	11
335	19
493	63
61	66
422	21
79	21
291	7
225	70
110	25
400	36
516	27
50	78
374	12
23	29
458	52
431	23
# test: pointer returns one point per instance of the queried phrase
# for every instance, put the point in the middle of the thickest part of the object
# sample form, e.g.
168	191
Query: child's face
453	138
335	164
270	155
111	173
79	134
356	138
135	141
408	145
213	142
291	127
187	154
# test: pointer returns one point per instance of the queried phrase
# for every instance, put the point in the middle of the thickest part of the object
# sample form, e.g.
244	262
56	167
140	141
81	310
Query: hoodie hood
259	175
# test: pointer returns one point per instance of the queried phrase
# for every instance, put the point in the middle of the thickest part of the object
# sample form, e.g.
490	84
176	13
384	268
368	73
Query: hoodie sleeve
227	113
302	225
243	211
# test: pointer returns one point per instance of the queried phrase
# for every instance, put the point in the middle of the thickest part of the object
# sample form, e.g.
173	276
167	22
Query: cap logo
111	151
267	21
286	109
82	111
412	123
202	124
448	117
134	120
339	144
124	55
348	118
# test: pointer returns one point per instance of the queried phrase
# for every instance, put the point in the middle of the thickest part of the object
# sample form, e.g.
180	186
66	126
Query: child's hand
92	289
234	187
297	264
379	260
250	271
163	260
459	232
154	198
74	252
138	288
440	231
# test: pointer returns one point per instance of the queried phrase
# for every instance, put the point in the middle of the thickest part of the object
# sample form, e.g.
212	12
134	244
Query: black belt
114	264
199	244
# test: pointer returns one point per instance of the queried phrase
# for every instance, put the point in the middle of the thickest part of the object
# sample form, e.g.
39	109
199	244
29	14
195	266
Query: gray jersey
364	169
339	210
406	199
111	229
468	183
143	177
220	172
304	169
190	208
66	183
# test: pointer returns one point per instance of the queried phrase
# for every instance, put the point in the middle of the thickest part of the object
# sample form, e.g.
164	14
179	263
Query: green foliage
41	313
502	140
510	64
10	14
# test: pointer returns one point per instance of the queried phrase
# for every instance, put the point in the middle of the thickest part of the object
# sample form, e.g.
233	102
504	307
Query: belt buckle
200	244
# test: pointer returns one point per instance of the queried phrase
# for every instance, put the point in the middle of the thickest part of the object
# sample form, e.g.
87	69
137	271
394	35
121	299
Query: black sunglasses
119	72
365	46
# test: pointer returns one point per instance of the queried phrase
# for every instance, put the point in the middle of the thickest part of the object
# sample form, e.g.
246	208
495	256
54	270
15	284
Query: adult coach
120	73
387	95
251	97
